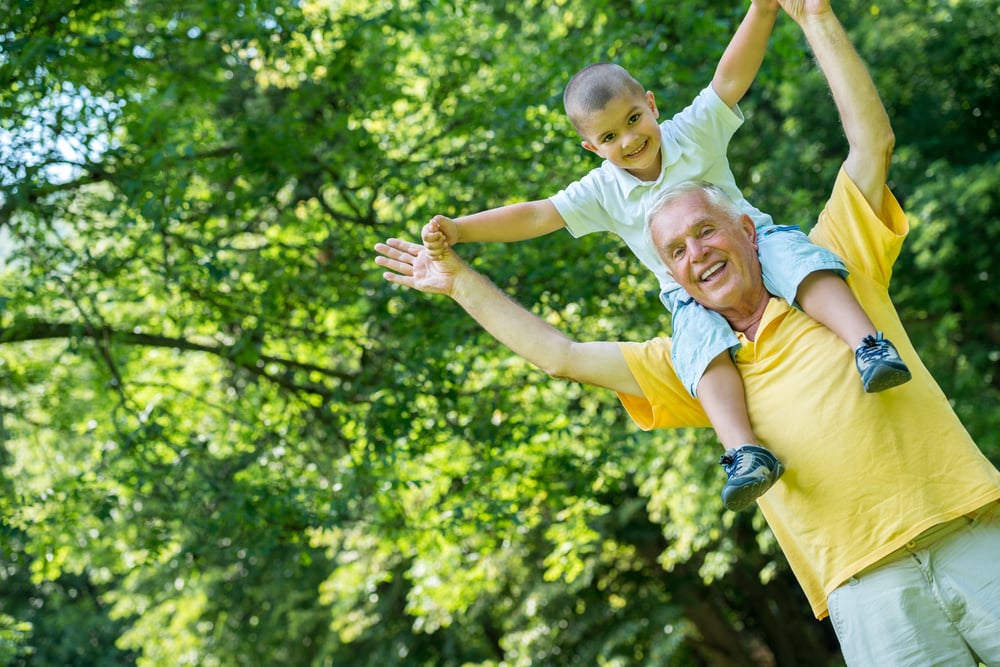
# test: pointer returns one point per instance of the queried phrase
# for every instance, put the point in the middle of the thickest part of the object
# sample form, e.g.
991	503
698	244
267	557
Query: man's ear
750	229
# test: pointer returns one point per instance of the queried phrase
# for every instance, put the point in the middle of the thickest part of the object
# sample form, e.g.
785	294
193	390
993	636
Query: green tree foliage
226	441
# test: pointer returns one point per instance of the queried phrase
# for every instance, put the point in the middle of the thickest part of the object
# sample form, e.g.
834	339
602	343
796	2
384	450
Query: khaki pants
934	602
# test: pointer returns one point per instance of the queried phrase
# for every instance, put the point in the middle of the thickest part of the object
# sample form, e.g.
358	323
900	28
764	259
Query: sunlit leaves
228	442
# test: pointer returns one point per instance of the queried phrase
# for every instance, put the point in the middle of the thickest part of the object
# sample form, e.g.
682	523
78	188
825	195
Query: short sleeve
665	402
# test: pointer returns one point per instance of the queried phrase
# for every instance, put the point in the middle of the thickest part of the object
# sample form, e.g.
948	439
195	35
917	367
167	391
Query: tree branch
35	329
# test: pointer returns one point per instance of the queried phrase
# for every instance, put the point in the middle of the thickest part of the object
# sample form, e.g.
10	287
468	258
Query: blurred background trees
226	441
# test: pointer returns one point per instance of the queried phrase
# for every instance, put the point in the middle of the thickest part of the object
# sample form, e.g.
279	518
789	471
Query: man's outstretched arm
598	363
866	123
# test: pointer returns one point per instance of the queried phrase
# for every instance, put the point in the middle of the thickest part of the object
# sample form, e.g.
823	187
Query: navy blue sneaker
752	470
880	365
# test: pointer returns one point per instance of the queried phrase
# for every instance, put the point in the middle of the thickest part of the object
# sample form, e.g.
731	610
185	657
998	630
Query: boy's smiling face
625	133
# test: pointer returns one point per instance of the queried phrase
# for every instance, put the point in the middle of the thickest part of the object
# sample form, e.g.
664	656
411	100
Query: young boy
617	119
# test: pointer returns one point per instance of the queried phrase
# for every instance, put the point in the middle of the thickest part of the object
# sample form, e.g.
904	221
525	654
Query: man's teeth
710	270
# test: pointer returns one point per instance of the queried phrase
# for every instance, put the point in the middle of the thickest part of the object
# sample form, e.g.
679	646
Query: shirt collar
775	311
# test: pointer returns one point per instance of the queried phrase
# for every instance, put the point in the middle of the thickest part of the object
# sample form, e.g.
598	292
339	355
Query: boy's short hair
593	87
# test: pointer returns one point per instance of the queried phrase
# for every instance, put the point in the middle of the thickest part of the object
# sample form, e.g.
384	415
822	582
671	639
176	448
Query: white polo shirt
609	199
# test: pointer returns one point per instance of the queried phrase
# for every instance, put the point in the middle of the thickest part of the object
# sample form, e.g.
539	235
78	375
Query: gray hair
713	194
593	87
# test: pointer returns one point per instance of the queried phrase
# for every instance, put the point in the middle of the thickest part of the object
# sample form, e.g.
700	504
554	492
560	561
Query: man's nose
696	248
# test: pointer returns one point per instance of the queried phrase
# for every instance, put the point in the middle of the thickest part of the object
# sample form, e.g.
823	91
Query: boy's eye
607	138
634	118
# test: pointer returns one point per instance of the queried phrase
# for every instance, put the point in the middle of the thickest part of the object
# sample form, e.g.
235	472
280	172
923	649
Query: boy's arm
516	222
600	364
742	58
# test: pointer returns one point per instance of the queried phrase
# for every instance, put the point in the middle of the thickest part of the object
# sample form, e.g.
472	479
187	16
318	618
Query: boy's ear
589	146
651	103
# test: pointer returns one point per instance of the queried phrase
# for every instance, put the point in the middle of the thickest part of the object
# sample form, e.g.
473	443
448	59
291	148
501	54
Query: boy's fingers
432	227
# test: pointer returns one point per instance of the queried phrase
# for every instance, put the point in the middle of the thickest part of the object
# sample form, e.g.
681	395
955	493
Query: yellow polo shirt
865	473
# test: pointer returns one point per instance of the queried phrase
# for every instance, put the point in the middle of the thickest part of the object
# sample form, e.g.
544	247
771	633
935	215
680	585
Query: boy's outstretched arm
742	58
515	222
599	363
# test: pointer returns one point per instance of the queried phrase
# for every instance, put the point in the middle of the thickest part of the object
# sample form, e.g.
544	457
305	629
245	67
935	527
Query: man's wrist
823	32
464	282
819	19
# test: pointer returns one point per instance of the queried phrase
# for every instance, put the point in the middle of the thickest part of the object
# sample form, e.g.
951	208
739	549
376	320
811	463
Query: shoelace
733	463
872	349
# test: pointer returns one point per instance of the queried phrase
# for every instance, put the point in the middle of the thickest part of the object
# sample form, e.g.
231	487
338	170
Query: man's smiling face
711	253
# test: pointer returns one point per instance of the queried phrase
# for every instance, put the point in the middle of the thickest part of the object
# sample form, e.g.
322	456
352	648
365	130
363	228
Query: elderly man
888	513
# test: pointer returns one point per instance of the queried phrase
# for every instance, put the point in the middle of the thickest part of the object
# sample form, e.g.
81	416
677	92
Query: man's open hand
410	265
